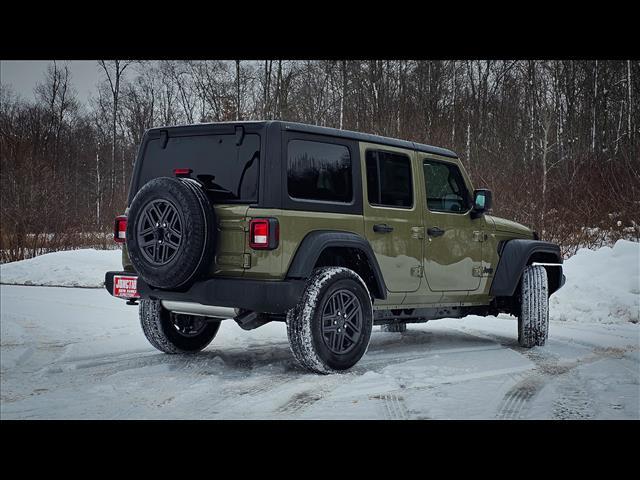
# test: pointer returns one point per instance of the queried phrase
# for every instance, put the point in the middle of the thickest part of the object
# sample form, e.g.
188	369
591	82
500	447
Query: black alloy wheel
159	232
342	321
188	325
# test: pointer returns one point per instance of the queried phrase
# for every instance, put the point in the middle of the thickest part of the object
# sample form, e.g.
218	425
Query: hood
504	225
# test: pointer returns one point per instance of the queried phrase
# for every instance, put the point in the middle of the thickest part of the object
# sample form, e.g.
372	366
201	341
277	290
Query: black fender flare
316	242
515	256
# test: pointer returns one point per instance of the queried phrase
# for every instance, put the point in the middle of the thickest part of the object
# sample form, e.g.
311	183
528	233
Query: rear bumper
255	295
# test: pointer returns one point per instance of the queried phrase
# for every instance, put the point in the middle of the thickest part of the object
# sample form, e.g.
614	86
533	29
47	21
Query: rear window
229	171
319	171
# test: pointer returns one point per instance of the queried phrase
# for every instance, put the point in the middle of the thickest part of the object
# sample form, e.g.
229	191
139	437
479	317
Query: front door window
451	251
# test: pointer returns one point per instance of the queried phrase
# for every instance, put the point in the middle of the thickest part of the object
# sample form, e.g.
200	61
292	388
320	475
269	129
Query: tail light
120	229
182	172
264	233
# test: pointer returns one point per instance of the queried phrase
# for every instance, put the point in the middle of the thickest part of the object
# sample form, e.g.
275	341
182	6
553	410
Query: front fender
516	255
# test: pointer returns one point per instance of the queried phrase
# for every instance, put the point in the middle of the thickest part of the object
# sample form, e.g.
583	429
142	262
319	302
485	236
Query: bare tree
114	70
565	123
238	113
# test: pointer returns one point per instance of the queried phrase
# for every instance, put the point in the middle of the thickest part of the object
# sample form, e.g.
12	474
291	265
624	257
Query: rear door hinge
417	232
416	271
479	236
246	260
482	271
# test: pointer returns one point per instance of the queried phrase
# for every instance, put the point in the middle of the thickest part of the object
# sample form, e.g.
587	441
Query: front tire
175	333
330	328
533	321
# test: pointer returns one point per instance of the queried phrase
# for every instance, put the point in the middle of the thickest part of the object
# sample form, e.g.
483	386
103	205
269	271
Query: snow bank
602	286
73	268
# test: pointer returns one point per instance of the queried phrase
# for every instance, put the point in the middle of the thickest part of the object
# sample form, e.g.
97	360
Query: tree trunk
278	90
113	131
629	99
453	107
344	92
545	150
469	144
267	88
238	115
124	181
595	101
98	186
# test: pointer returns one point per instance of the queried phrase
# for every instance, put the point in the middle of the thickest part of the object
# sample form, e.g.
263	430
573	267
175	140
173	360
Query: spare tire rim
342	321
159	232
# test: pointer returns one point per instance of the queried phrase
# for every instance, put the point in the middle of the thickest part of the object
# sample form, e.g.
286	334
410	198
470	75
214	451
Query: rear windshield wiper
244	170
210	186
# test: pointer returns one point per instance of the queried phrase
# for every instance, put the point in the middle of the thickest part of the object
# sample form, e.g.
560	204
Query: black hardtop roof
334	132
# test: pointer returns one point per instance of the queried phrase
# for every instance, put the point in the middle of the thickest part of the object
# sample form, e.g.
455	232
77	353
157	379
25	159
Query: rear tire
330	328
533	321
175	333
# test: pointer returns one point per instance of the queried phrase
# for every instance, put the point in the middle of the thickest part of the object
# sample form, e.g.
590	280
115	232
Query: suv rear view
326	230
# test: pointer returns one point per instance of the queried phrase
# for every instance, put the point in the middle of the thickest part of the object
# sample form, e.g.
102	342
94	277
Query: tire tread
533	321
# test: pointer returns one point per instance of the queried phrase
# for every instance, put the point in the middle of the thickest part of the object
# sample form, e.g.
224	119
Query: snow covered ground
80	353
72	268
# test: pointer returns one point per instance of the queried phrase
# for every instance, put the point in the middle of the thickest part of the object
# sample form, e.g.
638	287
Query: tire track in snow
300	401
25	356
128	360
394	406
575	402
262	387
511	342
182	367
518	399
515	403
384	359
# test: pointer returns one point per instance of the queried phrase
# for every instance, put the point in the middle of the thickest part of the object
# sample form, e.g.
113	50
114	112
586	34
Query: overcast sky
23	75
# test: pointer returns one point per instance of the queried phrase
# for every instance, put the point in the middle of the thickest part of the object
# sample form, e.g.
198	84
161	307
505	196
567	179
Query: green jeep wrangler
327	230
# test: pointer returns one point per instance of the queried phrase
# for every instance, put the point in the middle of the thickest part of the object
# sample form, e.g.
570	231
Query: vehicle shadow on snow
384	349
430	339
275	358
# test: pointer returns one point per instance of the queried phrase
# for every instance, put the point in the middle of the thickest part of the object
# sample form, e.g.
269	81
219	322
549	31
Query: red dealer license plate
125	287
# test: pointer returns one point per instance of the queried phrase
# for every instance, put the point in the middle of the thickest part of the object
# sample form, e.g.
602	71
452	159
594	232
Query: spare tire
171	232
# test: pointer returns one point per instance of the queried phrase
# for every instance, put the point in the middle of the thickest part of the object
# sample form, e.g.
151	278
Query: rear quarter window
319	171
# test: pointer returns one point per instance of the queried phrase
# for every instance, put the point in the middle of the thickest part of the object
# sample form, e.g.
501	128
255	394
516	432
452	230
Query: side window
389	179
446	191
319	171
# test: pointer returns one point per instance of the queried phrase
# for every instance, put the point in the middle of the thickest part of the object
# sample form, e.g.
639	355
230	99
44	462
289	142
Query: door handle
382	228
435	232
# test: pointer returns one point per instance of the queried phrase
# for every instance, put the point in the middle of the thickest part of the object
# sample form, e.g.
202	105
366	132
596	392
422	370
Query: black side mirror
482	202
